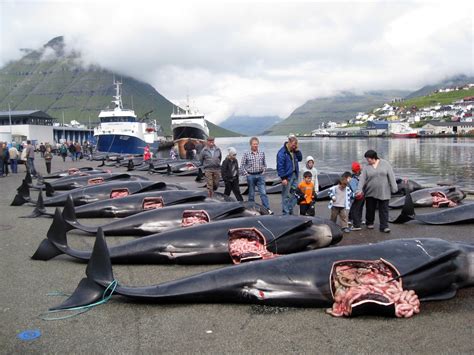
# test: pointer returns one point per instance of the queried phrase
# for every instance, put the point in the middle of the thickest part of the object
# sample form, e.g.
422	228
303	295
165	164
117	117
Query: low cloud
254	59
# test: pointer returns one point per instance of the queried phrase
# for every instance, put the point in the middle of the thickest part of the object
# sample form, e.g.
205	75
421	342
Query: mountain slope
52	81
458	80
337	108
250	125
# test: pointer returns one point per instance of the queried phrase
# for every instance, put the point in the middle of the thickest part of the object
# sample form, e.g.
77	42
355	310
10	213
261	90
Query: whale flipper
408	211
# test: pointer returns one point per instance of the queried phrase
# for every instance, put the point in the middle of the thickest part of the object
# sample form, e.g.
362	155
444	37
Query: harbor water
426	160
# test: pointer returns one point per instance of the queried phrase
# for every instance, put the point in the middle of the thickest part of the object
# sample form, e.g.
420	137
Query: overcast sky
254	58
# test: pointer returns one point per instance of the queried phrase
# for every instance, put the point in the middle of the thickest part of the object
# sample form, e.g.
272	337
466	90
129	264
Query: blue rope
109	291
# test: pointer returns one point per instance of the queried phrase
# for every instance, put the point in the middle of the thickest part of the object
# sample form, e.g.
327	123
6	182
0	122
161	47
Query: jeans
14	165
259	182
371	204
30	164
355	213
288	198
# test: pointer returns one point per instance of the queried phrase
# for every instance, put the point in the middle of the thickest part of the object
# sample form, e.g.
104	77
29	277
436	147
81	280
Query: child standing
340	203
48	156
230	174
355	213
314	172
308	195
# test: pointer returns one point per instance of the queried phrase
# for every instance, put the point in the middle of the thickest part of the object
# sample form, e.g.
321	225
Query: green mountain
50	80
250	125
458	80
338	108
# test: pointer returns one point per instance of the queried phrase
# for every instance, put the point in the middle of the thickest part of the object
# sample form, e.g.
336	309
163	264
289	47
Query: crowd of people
12	154
371	186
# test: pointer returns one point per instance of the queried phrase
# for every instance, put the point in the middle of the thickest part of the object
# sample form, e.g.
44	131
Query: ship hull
182	134
404	135
122	144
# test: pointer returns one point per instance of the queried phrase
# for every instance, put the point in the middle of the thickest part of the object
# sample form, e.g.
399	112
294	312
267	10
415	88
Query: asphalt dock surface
121	326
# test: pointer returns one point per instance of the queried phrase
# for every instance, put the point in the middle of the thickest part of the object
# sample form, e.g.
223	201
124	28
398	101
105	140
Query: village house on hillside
437	127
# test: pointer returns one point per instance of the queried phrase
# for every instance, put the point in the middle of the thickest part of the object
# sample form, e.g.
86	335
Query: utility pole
64	129
10	119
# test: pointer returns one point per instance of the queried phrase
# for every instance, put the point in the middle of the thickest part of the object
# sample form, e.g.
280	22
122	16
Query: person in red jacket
146	153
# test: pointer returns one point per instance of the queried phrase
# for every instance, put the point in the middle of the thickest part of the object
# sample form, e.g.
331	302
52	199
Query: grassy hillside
47	80
337	108
458	80
443	98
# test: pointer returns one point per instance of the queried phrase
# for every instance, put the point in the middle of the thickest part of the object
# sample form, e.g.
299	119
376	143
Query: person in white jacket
309	166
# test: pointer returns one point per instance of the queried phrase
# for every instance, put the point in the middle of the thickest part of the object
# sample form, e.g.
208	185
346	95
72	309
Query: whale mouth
152	203
193	217
370	287
248	244
95	181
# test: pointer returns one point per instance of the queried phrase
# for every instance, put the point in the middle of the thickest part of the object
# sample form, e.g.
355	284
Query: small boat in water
404	131
120	131
188	124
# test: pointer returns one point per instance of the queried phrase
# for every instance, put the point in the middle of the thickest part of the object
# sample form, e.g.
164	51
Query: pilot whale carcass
158	220
226	241
463	213
125	206
93	193
426	197
388	278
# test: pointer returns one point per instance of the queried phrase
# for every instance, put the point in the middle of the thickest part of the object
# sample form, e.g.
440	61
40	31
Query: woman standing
230	174
376	183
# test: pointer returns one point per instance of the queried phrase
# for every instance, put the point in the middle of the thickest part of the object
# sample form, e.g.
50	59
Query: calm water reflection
427	161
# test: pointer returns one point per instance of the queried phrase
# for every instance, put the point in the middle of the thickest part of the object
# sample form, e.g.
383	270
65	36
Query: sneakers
355	228
385	230
370	226
346	230
270	211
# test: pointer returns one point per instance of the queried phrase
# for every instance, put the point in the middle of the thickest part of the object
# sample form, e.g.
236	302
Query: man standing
14	155
189	148
211	157
287	167
253	165
30	158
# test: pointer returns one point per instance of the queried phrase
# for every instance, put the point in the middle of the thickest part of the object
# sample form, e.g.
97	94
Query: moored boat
188	124
120	131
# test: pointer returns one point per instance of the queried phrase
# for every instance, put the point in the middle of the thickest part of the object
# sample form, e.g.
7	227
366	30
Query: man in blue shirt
287	167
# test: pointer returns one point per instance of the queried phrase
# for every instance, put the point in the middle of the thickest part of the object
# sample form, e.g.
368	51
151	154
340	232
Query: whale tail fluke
408	211
28	178
99	272
39	210
101	164
56	240
131	165
49	189
22	196
69	218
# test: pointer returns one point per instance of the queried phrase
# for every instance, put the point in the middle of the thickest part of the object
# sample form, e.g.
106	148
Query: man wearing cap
211	157
287	167
355	213
253	165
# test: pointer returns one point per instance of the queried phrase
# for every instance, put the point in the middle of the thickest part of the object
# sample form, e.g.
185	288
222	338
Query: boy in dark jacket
230	174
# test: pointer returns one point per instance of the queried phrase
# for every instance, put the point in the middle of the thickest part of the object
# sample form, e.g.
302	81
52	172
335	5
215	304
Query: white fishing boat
188	124
120	131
